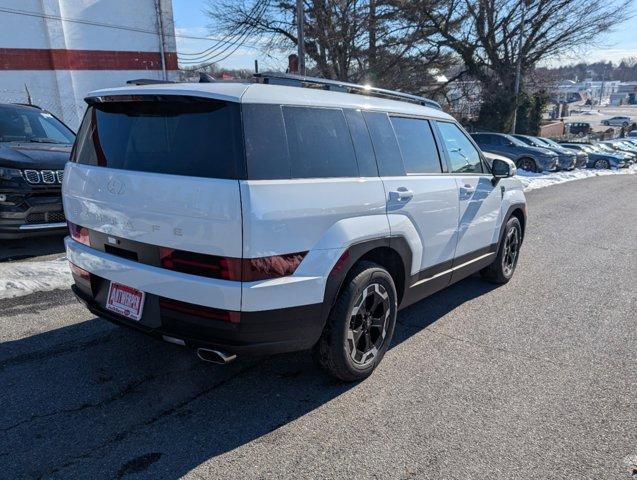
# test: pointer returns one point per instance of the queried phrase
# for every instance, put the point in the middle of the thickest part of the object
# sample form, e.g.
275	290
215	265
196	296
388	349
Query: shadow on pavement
91	399
27	248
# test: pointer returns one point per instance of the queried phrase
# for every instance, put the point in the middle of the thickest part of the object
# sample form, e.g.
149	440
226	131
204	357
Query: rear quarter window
198	138
287	142
320	143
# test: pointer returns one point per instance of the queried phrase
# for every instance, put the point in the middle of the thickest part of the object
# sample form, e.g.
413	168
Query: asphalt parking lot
532	380
595	114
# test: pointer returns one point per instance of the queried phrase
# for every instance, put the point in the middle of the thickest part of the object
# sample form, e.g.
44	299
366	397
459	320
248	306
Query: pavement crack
128	389
61	349
148	423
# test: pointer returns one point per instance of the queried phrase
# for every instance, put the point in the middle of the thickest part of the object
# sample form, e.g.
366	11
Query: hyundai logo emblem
115	187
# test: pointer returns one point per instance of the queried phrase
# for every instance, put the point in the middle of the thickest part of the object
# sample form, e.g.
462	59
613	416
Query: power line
236	31
243	34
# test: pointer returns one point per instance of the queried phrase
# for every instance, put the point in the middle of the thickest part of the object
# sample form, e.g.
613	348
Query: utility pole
518	67
162	40
601	87
300	37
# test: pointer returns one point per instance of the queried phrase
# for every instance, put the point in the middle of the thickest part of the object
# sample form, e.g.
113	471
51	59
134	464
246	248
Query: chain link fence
69	111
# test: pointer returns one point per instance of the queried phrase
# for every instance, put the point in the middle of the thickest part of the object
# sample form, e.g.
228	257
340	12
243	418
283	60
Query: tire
527	164
601	163
337	352
503	267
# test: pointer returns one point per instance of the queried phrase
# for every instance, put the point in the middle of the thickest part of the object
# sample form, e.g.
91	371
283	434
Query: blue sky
189	20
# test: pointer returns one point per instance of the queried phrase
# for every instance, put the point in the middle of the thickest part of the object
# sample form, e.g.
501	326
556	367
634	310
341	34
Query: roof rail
147	81
338	86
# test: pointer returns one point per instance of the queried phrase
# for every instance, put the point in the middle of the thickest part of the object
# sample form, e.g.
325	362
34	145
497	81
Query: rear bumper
258	333
279	315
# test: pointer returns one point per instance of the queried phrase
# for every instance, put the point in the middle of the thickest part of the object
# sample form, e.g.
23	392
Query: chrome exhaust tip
215	356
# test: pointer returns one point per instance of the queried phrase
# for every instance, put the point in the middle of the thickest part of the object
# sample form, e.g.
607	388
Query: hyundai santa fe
252	218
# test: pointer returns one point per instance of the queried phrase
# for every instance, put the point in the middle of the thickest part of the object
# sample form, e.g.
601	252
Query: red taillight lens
236	269
210	266
271	267
79	234
199	311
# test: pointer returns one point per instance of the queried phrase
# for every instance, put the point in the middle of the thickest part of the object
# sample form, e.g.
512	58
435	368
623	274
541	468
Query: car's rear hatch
160	171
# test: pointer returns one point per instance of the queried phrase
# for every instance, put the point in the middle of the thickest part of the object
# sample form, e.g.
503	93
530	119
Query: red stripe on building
59	59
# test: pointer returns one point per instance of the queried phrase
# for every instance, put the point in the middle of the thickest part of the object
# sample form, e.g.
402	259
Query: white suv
252	218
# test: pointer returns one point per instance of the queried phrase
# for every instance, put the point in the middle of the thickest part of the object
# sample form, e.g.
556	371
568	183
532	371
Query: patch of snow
531	181
22	278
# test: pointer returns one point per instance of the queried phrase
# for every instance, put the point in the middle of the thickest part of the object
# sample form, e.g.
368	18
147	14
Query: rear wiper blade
45	140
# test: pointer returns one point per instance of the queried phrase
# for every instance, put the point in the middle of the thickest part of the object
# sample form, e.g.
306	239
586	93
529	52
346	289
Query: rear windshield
197	138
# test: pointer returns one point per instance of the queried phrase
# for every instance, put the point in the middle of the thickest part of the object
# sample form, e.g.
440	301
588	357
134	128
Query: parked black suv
34	146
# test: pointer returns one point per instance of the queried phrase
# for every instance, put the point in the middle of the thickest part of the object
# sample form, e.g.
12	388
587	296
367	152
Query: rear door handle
401	194
467	189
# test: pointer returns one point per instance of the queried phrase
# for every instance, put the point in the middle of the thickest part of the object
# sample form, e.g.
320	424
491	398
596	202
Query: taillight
200	264
236	269
199	311
271	267
79	234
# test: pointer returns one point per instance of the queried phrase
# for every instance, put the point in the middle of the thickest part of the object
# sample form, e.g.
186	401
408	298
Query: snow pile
531	181
23	278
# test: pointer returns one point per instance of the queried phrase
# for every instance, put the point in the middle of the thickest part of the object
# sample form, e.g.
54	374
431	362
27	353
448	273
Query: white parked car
244	218
619	121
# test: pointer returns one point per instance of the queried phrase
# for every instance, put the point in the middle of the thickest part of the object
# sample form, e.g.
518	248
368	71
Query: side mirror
502	168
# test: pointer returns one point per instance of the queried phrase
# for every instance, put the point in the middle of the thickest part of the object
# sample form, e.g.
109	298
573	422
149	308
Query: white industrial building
59	50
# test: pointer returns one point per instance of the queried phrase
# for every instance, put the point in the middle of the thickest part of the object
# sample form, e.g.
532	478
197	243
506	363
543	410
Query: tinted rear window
297	142
362	143
390	162
320	143
267	154
417	144
194	138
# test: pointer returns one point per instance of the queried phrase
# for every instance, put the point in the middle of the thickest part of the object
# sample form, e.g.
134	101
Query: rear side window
297	142
266	144
195	138
417	145
362	143
319	142
464	157
385	144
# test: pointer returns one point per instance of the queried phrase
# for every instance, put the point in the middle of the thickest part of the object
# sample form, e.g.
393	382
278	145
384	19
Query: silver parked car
618	121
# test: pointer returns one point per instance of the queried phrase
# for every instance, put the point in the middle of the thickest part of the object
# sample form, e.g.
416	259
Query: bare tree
349	40
485	33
